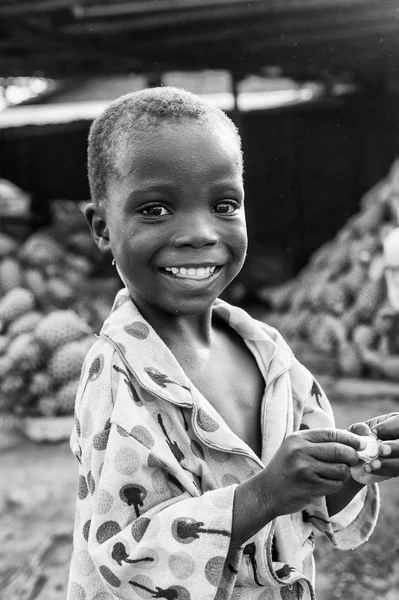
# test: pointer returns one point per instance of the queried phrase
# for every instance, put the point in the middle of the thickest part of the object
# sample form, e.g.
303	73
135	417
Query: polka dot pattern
219	456
122	432
76	591
181	592
366	529
139	528
142	435
181	565
91	483
166	556
100	440
106	531
127	461
83	490
206	422
154	461
138	330
103	596
86	530
96	367
159	481
84	564
103	502
214	569
133	495
109	576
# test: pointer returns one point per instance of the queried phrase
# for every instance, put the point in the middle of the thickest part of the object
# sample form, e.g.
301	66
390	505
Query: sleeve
149	531
282	552
353	525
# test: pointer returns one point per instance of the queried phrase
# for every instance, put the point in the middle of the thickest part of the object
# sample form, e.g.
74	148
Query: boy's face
175	218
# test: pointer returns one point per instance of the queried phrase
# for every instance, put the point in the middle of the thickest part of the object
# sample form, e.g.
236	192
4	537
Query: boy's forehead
148	138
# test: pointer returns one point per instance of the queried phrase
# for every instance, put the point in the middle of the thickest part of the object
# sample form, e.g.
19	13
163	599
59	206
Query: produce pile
338	302
50	308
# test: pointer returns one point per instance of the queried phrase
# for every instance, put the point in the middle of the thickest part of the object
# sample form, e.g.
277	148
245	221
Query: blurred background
313	86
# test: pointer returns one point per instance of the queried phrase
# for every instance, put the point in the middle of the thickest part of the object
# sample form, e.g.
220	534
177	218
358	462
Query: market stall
309	161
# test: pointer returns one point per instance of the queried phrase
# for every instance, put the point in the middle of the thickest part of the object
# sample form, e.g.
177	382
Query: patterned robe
158	469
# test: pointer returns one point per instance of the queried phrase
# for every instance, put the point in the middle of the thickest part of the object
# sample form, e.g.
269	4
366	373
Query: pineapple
41	249
59	327
65	397
60	292
17	302
349	360
10	274
25	352
66	362
36	282
363	337
370	297
46	406
40	384
7	245
24	323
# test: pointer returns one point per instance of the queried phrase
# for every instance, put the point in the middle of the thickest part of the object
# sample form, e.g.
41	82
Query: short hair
136	113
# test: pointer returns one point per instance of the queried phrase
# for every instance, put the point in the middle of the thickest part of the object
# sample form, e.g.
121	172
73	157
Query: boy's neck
191	330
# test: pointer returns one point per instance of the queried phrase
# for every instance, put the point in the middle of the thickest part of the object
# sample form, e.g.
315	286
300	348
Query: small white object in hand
371	451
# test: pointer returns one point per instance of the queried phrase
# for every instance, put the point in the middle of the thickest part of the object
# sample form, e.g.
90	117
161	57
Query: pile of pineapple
48	317
338	303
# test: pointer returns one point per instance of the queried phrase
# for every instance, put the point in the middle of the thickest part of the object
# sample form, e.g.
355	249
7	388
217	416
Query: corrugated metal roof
62	38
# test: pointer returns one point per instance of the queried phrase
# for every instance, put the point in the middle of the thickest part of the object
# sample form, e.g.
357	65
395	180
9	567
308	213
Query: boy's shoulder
248	326
251	327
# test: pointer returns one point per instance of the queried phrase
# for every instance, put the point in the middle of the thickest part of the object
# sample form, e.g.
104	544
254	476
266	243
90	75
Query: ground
37	499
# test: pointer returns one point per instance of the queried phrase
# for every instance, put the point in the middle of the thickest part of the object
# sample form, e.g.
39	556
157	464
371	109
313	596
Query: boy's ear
96	220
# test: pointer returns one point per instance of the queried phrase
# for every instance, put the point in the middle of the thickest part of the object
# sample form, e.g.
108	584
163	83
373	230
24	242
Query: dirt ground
37	497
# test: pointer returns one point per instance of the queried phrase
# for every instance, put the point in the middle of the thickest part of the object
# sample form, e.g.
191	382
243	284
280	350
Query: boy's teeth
200	272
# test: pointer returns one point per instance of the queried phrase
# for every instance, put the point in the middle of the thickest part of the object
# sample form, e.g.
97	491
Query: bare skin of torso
228	376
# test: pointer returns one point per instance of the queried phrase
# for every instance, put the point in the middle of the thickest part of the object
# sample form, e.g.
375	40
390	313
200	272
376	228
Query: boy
195	479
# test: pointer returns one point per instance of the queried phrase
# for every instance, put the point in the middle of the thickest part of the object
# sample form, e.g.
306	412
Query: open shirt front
158	469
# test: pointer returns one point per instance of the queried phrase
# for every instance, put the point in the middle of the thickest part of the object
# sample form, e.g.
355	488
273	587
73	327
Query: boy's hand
386	428
309	464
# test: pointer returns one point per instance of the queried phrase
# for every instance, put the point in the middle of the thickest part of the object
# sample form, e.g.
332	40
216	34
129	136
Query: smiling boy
207	452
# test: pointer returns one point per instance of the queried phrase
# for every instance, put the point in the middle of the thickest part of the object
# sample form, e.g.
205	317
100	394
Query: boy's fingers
340	436
387	467
389	449
336	472
360	428
332	452
389	429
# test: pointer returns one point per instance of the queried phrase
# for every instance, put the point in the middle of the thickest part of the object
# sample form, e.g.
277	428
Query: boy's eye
226	207
156	210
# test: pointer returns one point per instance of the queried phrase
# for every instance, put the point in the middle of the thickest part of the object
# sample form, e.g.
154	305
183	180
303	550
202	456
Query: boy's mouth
196	273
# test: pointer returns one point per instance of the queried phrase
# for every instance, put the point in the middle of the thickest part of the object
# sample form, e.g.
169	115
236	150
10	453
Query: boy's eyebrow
158	186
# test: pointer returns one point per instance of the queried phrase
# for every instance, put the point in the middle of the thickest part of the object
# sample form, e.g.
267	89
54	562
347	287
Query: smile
196	273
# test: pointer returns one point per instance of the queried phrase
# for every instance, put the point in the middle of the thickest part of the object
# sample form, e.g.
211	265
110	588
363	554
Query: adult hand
308	465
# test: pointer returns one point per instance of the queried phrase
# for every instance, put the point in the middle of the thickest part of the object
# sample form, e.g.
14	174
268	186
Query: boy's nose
196	233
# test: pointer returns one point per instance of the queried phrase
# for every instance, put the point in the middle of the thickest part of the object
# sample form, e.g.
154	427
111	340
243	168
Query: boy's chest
234	386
